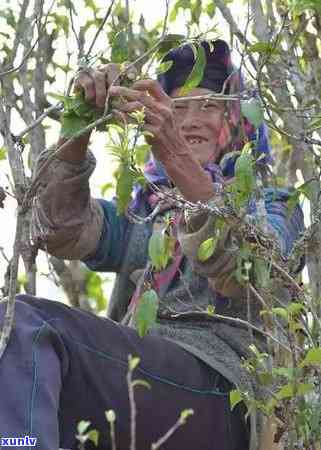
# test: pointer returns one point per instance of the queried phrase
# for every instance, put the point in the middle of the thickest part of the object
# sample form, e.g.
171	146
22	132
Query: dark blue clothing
63	365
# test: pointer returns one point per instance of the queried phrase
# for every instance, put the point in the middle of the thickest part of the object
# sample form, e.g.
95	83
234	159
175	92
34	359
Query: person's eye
209	105
180	106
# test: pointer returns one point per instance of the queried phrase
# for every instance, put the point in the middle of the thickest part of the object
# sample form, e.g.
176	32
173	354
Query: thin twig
133	409
9	314
70	8
161	441
56	107
100	29
28	53
165	19
113	436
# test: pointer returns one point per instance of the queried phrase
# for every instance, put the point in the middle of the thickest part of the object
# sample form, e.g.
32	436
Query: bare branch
100	29
28	52
164	31
161	441
10	306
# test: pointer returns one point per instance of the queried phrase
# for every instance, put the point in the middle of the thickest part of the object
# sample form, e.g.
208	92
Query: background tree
278	43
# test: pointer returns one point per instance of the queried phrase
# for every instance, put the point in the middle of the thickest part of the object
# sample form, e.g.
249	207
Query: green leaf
210	310
124	187
119	47
310	190
185	414
288	390
164	67
92	5
265	48
210	9
245	180
93	436
196	75
169	42
265	378
83	426
295	308
160	249
185	4
313	357
253	111
286	372
71	125
106	187
110	416
314	124
281	312
95	291
141	153
61	22
196	11
235	398
243	259
146	312
299	6
206	249
3	153
133	362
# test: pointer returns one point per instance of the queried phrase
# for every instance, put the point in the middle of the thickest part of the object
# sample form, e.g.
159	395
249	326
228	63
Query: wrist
74	151
186	172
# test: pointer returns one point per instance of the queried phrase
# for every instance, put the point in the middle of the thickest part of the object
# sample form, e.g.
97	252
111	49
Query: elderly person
64	365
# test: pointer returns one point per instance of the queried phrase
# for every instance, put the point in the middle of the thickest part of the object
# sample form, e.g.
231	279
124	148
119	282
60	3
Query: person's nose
191	119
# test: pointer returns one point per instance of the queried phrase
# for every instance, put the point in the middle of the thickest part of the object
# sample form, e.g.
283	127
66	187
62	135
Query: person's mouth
195	139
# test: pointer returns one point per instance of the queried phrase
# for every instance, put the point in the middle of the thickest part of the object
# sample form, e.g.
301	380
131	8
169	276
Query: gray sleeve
66	221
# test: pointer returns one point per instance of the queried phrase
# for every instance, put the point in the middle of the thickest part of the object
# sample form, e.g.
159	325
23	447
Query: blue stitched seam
34	384
150	375
144	371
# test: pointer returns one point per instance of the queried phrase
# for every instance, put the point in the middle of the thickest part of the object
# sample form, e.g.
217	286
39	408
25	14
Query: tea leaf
146	312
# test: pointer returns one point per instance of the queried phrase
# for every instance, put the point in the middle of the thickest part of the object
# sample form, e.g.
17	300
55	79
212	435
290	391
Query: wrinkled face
200	123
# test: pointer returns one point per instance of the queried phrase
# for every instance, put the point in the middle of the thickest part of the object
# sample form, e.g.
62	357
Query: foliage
94	291
146	312
280	56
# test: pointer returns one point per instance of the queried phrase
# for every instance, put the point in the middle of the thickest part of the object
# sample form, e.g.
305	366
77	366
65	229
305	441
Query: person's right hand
94	83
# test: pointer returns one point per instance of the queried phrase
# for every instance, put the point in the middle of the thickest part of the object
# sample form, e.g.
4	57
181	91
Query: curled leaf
206	249
313	357
196	75
253	111
124	187
235	398
146	312
160	249
133	362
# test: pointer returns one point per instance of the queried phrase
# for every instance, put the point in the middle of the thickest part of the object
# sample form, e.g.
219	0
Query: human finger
131	107
111	72
100	88
153	88
84	82
133	95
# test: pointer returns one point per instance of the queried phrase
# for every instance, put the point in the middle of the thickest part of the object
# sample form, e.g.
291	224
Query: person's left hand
148	95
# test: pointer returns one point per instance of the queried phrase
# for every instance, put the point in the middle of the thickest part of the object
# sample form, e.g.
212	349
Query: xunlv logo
18	442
